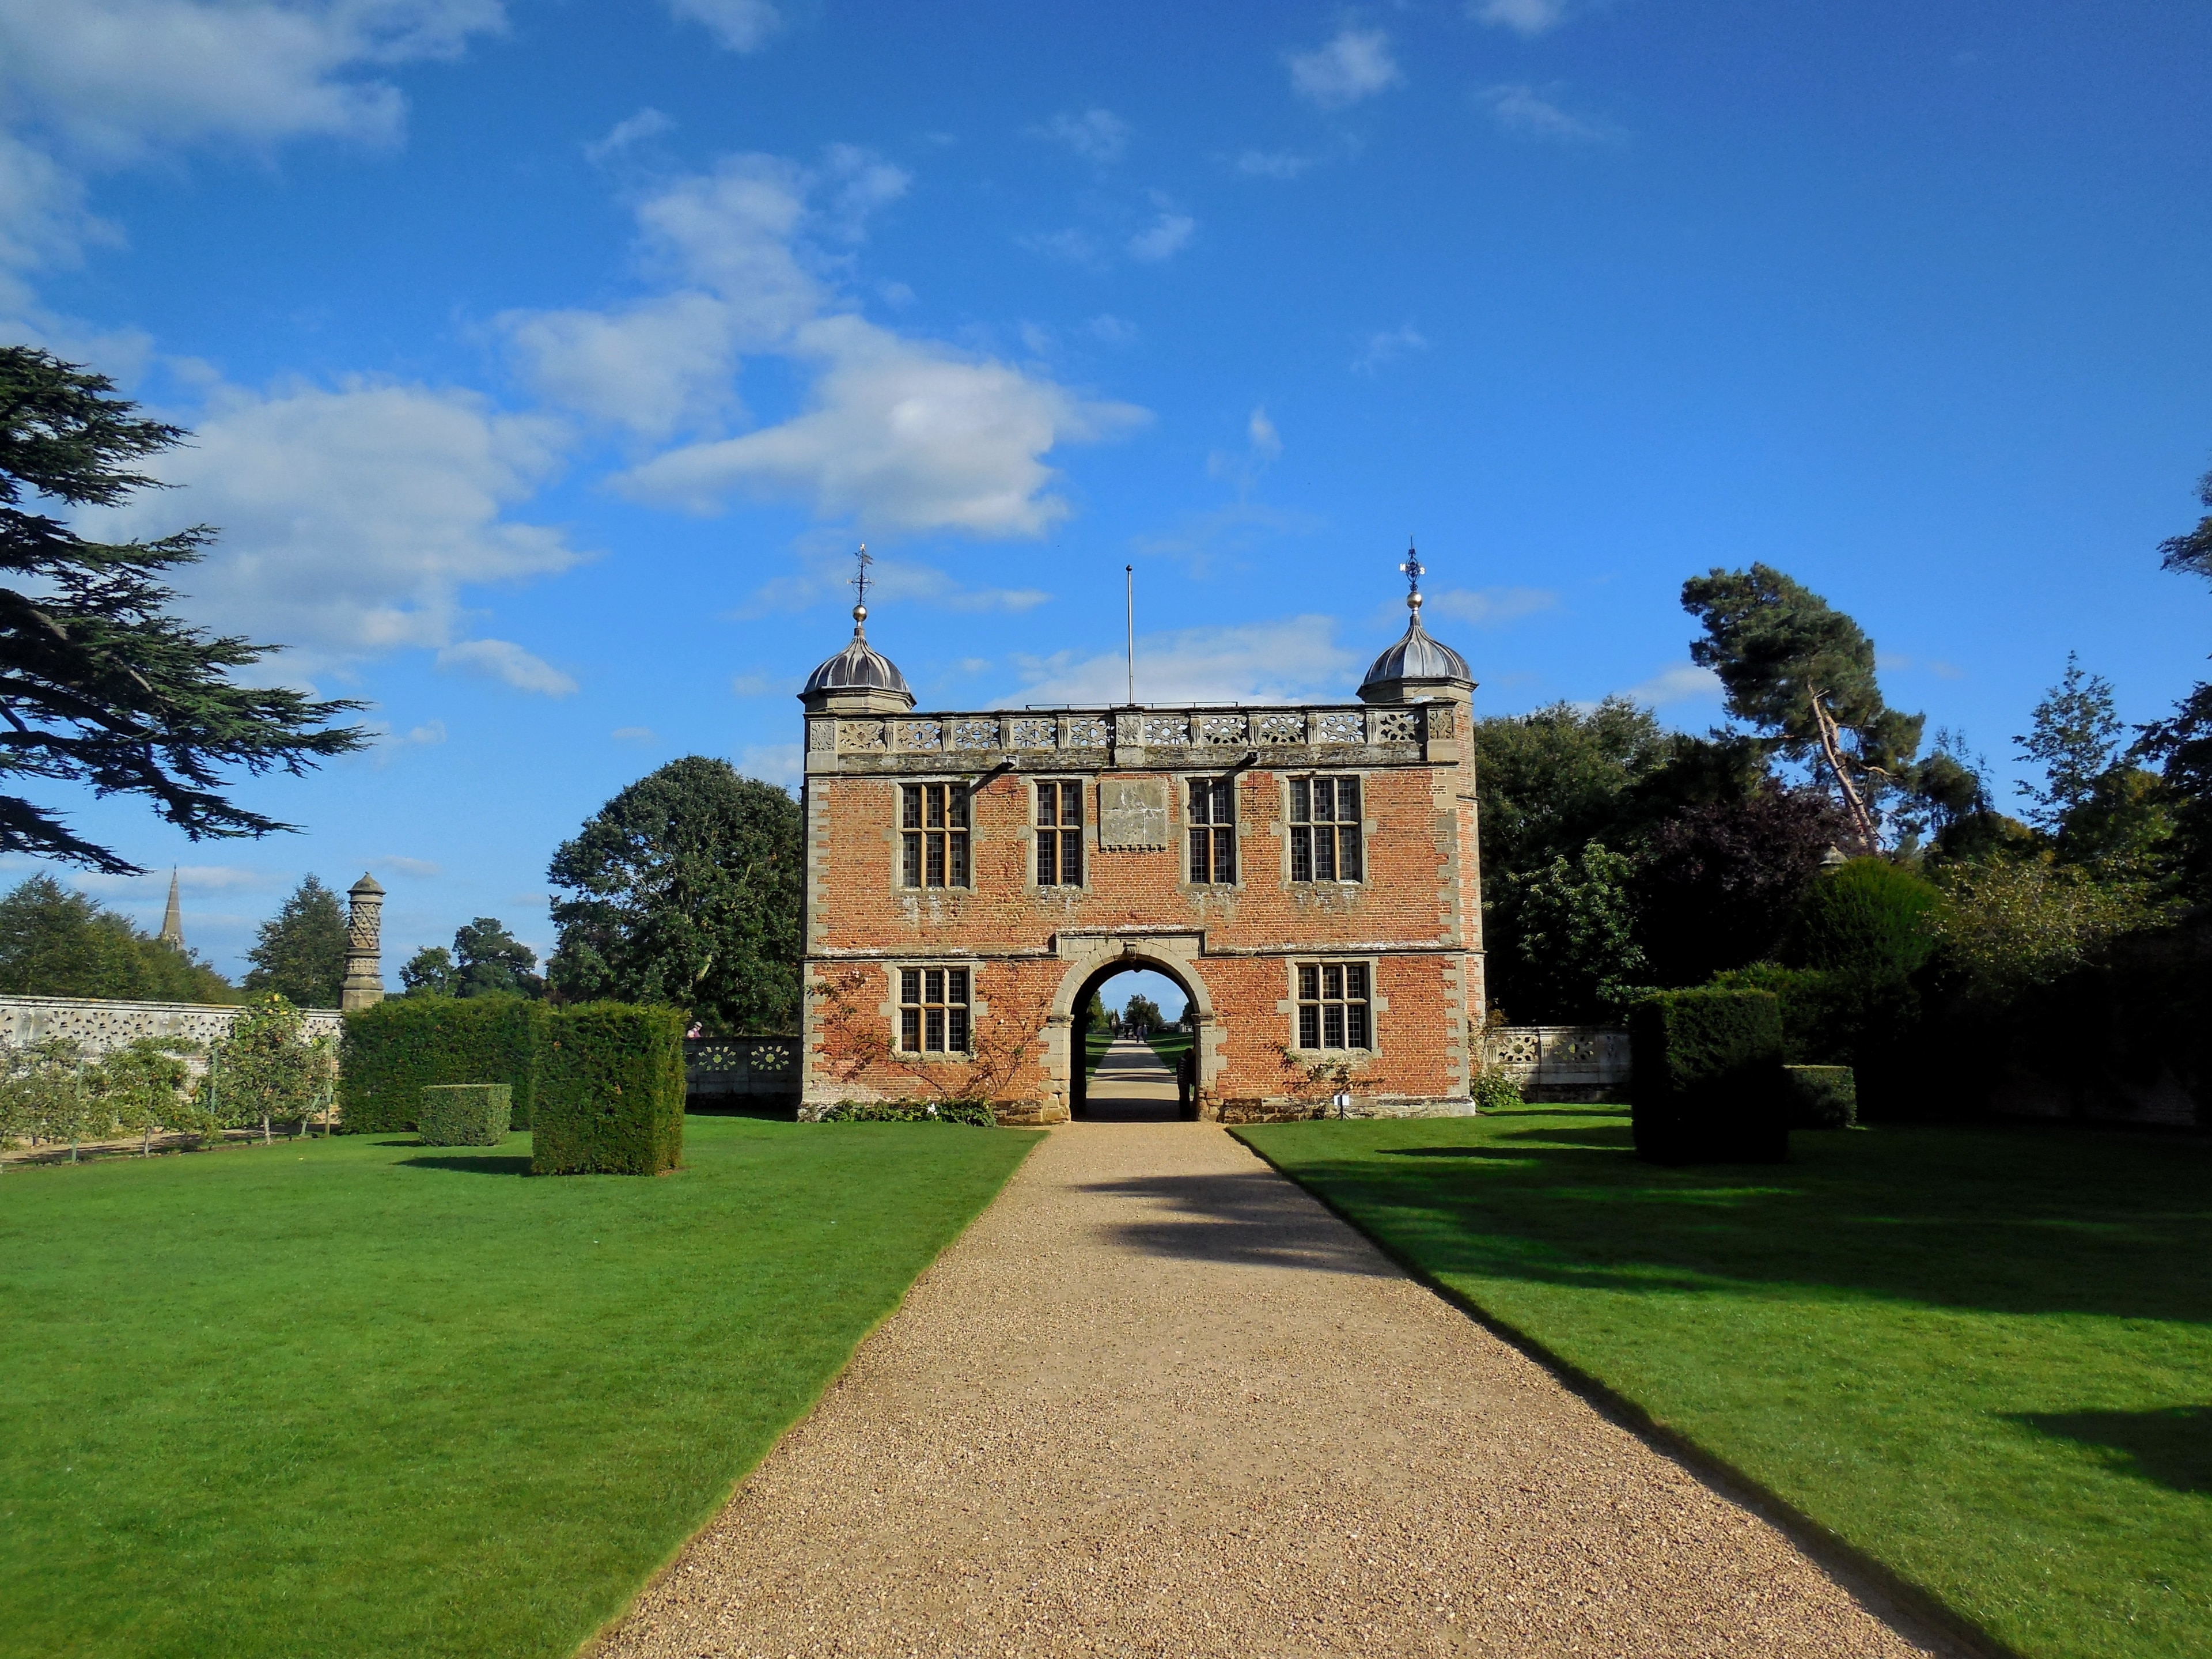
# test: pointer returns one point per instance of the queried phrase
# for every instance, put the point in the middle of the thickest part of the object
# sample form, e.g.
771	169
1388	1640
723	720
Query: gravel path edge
1915	1610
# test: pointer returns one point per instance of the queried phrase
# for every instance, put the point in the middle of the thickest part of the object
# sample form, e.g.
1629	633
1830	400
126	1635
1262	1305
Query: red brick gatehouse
1307	875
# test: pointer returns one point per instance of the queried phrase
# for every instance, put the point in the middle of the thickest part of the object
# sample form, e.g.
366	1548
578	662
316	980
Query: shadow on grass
2011	1220
2170	1446
1251	1217
494	1164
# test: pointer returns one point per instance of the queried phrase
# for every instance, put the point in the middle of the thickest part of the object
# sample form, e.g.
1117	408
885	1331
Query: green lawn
1095	1041
1983	1356
1170	1045
361	1396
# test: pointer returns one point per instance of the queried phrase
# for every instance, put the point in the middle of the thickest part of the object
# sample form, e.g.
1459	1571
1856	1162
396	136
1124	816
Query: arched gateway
1309	874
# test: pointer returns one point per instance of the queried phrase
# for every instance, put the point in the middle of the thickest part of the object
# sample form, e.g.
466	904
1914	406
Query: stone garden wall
100	1025
1561	1062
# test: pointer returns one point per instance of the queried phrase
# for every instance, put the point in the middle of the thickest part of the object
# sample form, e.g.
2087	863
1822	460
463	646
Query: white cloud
1263	445
351	518
652	367
1356	65
1526	113
44	220
897	580
752	685
117	79
1164	238
1272	164
418	869
902	435
1490	604
1387	347
1683	682
644	736
742	26
504	660
1278	661
647	123
1527	18
1109	330
773	763
1097	135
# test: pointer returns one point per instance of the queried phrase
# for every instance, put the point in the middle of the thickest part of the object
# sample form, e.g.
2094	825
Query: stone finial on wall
364	974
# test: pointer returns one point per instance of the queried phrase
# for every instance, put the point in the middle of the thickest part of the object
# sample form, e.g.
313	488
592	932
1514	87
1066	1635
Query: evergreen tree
55	943
1803	673
2181	745
103	685
301	951
2074	736
685	888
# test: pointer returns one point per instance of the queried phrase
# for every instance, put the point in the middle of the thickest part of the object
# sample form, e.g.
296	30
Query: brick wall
1414	919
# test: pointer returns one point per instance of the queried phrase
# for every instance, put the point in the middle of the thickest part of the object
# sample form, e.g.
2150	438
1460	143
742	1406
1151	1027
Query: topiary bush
1870	917
464	1113
1707	1086
976	1113
1821	1097
609	1092
391	1052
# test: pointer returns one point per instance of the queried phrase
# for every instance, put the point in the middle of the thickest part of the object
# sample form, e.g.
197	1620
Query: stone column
364	974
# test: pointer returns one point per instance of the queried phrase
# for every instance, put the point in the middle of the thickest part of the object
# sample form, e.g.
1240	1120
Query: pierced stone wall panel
920	735
1032	733
860	736
975	735
1396	726
1282	728
1337	726
1170	730
1222	728
1082	731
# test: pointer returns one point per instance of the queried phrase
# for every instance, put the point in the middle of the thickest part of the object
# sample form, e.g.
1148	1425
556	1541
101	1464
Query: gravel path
1132	1084
1158	1401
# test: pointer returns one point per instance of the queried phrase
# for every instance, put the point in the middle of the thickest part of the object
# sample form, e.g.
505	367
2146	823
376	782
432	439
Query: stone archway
1092	961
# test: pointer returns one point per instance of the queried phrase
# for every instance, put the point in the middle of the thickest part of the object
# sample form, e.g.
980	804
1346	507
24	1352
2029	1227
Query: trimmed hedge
609	1092
1707	1085
393	1051
1821	1097
464	1113
976	1113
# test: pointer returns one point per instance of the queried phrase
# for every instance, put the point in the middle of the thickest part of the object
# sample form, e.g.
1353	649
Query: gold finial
859	584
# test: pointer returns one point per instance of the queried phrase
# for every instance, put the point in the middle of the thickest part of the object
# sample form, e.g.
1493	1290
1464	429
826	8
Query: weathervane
860	585
1414	571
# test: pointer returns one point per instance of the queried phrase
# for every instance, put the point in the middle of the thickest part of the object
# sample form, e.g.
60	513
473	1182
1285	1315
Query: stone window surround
1032	829
1378	1005
978	1009
895	834
1367	827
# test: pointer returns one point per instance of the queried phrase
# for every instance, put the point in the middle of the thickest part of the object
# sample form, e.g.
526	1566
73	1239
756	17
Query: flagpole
1129	579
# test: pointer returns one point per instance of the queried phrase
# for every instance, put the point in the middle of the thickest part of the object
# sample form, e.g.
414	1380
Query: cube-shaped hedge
1708	1086
464	1113
391	1052
1821	1097
609	1092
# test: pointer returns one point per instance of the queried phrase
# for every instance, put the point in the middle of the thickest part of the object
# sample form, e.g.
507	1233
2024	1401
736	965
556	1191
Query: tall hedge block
609	1092
1708	1084
1821	1097
391	1052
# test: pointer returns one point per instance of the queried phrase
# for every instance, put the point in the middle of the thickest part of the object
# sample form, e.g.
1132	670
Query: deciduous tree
99	683
685	888
55	943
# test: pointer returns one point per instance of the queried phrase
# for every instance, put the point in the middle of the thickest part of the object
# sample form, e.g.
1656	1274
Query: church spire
172	920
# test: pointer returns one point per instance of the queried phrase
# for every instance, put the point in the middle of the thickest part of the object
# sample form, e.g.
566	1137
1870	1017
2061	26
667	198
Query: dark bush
1869	918
464	1113
1707	1084
976	1113
395	1050
1820	1097
609	1092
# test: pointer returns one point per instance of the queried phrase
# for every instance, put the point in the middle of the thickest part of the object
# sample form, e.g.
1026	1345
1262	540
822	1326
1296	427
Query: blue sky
548	359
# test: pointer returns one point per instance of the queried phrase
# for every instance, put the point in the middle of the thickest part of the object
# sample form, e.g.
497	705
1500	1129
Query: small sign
1132	813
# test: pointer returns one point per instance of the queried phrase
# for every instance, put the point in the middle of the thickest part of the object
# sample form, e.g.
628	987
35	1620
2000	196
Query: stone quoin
1308	874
